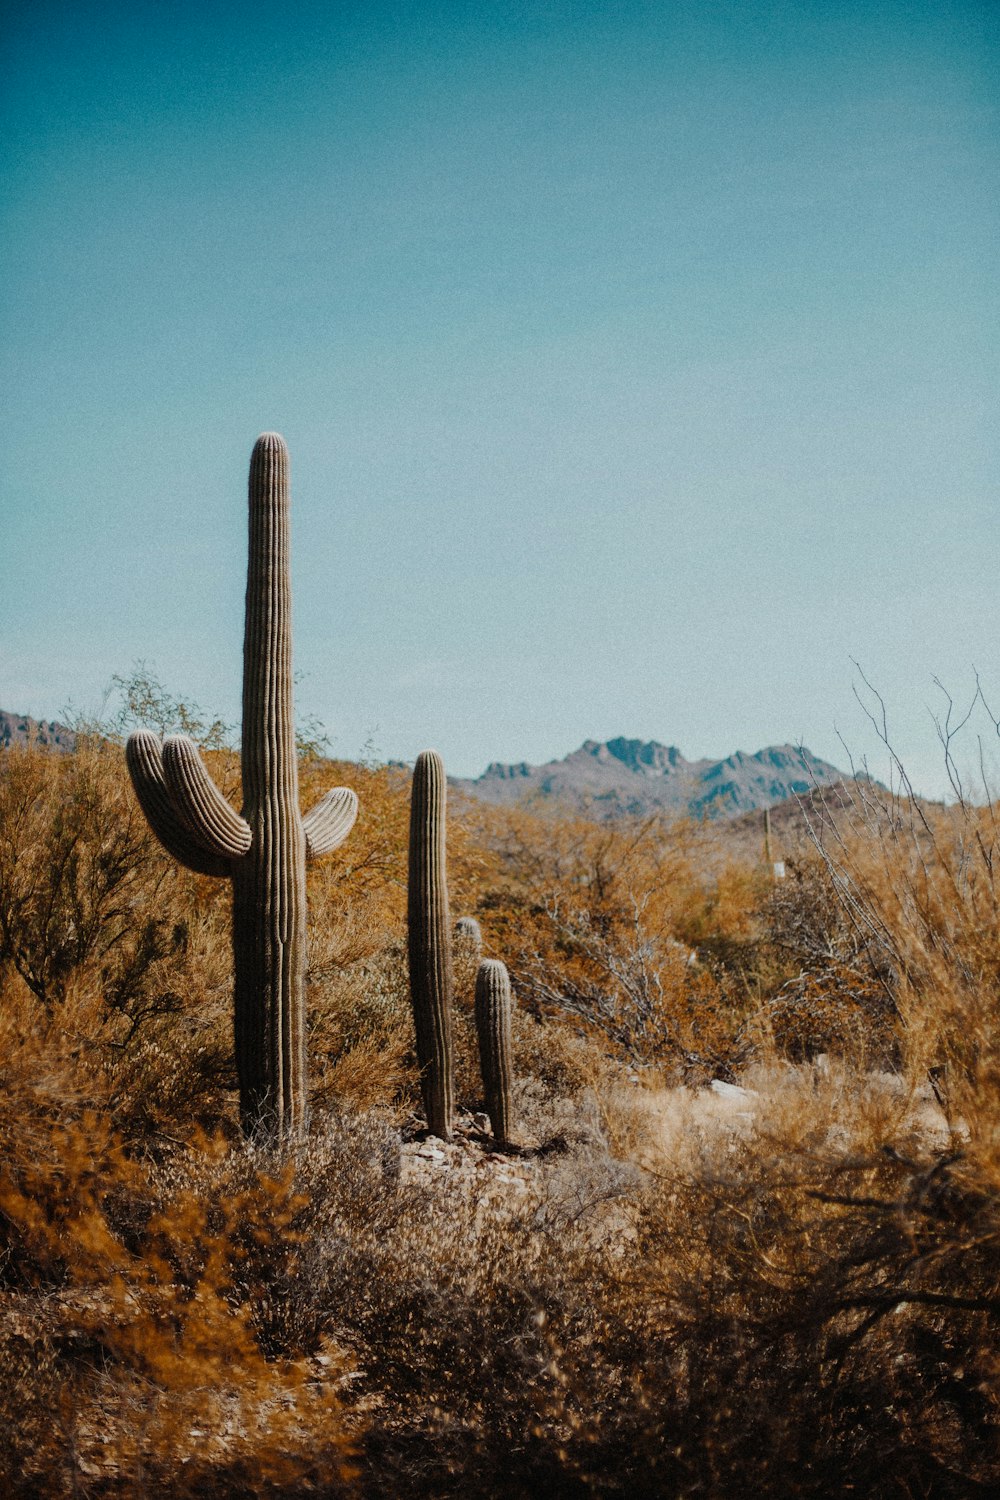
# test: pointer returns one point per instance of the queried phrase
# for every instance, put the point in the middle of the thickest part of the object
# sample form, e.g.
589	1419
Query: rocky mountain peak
634	776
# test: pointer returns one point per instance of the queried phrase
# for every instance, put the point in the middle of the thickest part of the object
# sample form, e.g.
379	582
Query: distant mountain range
20	729
608	778
605	778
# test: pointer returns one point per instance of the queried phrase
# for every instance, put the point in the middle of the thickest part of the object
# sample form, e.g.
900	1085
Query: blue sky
638	363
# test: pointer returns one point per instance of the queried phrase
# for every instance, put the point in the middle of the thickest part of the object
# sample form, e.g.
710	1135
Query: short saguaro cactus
468	937
493	1012
264	851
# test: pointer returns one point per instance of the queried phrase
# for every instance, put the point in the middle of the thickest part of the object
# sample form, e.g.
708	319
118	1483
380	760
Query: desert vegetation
742	1236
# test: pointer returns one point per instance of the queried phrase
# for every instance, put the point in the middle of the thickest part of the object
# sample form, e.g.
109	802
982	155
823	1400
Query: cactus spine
264	851
493	1007
430	941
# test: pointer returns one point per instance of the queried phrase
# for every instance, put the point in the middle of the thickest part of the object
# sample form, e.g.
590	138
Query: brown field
751	1247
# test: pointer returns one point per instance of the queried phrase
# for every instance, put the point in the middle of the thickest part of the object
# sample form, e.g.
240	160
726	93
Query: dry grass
790	1291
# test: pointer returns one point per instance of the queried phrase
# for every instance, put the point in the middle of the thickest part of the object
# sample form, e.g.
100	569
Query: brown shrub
131	1363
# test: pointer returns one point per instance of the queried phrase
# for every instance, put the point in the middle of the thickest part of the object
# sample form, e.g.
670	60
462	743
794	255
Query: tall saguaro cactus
493	1007
264	851
430	941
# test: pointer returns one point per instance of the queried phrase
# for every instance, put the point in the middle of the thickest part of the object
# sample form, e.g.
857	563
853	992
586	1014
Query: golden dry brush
429	936
493	1008
264	851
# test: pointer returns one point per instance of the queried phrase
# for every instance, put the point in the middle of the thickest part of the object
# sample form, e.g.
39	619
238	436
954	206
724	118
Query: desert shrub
76	865
139	700
361	1033
824	1326
810	1310
131	1360
917	883
806	1314
639	931
113	945
833	1008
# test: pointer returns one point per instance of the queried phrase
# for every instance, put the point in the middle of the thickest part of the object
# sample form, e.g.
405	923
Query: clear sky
638	362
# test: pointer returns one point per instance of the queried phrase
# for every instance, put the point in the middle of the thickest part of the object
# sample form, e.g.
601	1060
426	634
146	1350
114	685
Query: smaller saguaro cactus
466	951
468	930
469	937
429	927
493	1008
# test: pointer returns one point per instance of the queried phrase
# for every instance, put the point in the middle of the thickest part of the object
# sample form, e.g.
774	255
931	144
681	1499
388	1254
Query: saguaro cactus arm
330	821
144	759
198	801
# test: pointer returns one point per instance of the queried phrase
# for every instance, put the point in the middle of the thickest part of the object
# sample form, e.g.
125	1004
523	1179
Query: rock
731	1091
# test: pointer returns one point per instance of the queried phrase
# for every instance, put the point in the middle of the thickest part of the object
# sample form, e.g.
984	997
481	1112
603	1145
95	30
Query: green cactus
493	1008
430	942
264	852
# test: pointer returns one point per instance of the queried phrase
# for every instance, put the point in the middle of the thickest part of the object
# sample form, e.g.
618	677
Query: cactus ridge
263	852
493	1011
430	941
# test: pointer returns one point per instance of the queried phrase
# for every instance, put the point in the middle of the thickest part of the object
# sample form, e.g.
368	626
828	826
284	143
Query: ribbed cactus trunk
430	941
269	883
493	1008
263	852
